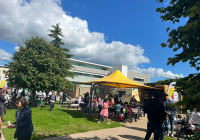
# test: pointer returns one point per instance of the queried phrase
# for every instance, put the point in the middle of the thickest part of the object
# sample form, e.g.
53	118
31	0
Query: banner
135	92
171	90
3	83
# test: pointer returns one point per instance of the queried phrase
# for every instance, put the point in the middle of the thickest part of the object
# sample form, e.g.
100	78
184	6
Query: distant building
87	71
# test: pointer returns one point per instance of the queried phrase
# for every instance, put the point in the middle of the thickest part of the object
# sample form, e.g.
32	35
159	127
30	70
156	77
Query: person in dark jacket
23	124
156	116
165	125
2	101
52	101
64	96
86	101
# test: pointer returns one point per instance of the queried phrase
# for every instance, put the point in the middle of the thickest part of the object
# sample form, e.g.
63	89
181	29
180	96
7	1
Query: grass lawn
59	122
166	138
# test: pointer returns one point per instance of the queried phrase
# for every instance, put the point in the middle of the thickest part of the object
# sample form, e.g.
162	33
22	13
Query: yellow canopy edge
118	80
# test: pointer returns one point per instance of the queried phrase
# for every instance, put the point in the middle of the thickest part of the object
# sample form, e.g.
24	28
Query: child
117	108
95	100
104	111
95	105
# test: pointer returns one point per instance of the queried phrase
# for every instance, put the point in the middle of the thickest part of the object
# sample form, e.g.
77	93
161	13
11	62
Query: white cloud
157	72
16	48
20	20
4	55
166	3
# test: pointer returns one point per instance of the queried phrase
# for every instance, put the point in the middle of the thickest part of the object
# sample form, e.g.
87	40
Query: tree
167	81
187	39
39	66
56	34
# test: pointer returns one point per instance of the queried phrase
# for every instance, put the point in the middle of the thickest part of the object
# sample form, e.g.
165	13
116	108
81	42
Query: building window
89	75
88	66
138	79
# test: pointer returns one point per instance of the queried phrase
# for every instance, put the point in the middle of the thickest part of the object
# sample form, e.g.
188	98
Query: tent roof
118	80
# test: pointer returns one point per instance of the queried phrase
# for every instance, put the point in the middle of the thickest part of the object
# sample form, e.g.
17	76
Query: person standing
64	96
172	112
122	99
104	111
50	93
6	102
165	125
23	124
116	99
44	95
2	102
196	120
61	93
52	101
156	116
86	101
23	93
14	96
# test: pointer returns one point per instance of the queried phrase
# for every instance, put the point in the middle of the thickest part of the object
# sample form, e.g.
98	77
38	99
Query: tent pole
91	92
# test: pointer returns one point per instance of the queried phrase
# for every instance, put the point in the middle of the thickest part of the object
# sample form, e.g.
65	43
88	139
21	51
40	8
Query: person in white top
61	93
44	95
50	93
196	120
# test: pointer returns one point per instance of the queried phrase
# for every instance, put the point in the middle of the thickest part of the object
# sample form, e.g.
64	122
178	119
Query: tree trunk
33	98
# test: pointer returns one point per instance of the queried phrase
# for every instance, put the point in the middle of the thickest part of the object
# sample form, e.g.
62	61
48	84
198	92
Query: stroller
126	114
186	128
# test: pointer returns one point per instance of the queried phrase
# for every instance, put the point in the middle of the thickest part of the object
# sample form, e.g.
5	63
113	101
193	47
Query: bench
74	105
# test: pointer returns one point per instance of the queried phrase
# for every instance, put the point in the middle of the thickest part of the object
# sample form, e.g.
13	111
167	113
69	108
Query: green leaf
175	49
163	45
168	29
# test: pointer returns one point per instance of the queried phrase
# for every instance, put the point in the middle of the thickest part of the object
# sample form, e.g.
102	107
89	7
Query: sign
135	92
121	89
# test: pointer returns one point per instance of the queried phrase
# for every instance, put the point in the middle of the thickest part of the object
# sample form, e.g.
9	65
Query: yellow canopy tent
118	80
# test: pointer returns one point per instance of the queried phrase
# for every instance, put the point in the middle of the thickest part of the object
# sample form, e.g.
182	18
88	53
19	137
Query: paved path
132	131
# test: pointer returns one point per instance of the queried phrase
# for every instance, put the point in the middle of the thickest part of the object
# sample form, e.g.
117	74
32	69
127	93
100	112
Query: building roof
84	62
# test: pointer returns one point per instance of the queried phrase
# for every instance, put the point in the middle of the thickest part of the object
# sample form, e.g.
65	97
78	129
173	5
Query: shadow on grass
67	137
78	114
136	128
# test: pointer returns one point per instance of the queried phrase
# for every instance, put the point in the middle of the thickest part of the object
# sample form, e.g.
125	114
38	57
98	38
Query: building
87	71
3	68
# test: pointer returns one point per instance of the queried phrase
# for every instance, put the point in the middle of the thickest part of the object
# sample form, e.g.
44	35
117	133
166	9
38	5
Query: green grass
166	138
59	122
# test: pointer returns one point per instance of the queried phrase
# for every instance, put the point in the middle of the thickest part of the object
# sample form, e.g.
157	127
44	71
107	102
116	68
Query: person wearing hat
156	116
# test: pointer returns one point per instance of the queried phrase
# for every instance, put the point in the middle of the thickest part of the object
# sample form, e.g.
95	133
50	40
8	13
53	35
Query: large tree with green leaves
187	39
39	65
56	34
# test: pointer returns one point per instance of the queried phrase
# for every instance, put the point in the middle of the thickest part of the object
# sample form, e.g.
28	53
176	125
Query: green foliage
187	36
39	66
167	81
187	39
56	34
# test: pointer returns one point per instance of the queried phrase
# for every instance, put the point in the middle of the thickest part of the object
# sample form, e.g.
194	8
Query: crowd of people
110	106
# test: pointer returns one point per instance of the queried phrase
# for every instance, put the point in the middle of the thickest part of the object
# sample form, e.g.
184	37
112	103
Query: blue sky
119	23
